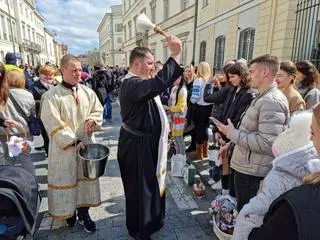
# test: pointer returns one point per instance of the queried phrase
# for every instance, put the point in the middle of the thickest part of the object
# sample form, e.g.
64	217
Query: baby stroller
19	202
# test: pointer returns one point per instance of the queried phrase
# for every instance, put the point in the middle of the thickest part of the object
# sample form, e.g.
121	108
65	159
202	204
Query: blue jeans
107	108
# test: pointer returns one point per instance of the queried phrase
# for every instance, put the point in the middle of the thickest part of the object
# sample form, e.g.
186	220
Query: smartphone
215	121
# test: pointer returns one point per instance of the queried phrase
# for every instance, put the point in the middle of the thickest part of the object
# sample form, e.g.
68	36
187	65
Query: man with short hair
266	117
70	112
142	149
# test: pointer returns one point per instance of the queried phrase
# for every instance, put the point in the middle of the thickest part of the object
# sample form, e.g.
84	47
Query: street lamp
11	29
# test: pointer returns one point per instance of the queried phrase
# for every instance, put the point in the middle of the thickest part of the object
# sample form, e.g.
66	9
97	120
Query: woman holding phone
238	99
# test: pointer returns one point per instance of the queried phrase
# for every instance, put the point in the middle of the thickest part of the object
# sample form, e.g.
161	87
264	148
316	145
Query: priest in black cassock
142	149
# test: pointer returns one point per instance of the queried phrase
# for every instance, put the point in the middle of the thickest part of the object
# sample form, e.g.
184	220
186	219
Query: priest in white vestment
70	112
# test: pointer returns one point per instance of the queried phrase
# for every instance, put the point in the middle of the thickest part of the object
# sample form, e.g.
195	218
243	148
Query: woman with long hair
178	109
285	79
4	94
235	104
308	80
202	111
189	76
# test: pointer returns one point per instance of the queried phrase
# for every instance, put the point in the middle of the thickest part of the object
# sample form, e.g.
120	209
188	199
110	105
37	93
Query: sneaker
211	181
71	221
217	185
87	223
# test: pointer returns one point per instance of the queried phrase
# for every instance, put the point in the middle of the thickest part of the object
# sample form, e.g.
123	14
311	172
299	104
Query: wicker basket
221	235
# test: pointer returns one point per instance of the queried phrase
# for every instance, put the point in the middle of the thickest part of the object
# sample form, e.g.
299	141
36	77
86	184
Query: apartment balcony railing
31	46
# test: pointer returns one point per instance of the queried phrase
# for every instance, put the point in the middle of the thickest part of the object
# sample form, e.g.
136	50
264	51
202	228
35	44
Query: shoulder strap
17	107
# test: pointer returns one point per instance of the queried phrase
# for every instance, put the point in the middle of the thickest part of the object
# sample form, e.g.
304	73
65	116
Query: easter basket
16	144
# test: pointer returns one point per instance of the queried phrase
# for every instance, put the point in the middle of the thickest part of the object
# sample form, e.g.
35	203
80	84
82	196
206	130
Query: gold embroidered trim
163	171
88	205
55	131
66	187
60	218
162	191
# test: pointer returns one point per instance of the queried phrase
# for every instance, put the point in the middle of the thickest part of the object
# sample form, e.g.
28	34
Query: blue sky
75	21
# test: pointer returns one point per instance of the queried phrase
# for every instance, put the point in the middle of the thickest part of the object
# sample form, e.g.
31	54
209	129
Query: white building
22	31
110	37
174	17
49	43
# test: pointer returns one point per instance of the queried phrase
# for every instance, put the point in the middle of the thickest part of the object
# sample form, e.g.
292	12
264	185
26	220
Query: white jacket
287	173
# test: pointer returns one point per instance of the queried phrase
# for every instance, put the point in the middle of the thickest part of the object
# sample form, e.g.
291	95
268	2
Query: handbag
33	122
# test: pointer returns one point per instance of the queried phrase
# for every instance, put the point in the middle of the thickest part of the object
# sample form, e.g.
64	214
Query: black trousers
246	187
201	122
45	138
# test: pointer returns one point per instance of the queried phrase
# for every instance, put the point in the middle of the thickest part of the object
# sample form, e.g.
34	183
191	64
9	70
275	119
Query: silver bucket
93	158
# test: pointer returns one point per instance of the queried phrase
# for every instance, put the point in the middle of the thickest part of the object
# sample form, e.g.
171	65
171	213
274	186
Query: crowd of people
260	114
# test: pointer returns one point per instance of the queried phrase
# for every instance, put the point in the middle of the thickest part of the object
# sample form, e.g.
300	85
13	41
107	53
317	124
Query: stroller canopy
21	187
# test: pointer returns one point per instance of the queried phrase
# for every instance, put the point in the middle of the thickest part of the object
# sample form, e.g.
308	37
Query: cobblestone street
186	217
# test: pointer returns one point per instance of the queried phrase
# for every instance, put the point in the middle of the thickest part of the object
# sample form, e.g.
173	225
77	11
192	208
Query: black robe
138	155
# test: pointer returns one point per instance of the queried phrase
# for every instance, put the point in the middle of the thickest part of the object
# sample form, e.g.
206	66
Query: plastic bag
177	163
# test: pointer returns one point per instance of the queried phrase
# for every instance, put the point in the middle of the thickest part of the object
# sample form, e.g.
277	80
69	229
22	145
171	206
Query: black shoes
39	148
71	221
85	221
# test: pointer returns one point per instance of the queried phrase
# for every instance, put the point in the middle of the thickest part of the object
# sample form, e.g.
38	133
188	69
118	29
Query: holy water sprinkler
144	23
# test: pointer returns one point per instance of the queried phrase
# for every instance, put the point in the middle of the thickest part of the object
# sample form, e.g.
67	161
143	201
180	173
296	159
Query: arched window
202	56
246	44
219	52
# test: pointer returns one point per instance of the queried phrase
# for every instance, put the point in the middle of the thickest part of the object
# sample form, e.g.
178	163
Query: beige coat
64	121
295	100
266	117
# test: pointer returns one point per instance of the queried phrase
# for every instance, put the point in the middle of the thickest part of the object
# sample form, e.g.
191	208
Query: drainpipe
112	40
195	32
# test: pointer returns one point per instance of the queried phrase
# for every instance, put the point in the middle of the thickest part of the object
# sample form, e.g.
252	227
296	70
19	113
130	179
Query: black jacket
37	89
294	215
234	103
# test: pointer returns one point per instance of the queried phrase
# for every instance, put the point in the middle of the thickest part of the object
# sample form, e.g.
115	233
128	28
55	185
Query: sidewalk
186	217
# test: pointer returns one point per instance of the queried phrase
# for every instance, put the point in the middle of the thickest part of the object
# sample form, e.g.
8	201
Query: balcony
31	46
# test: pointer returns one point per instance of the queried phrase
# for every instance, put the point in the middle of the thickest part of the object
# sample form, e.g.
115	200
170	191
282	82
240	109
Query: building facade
94	57
233	29
22	32
49	46
110	37
174	17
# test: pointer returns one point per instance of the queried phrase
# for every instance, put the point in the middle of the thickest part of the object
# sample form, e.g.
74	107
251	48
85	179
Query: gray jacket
287	173
25	100
266	117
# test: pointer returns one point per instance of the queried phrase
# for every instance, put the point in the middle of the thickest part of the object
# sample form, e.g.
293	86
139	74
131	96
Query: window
153	11
21	9
144	10
246	44
23	32
26	13
202	56
165	9
9	27
14	30
165	53
219	52
183	58
125	33
118	27
205	3
130	29
135	24
184	4
4	28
